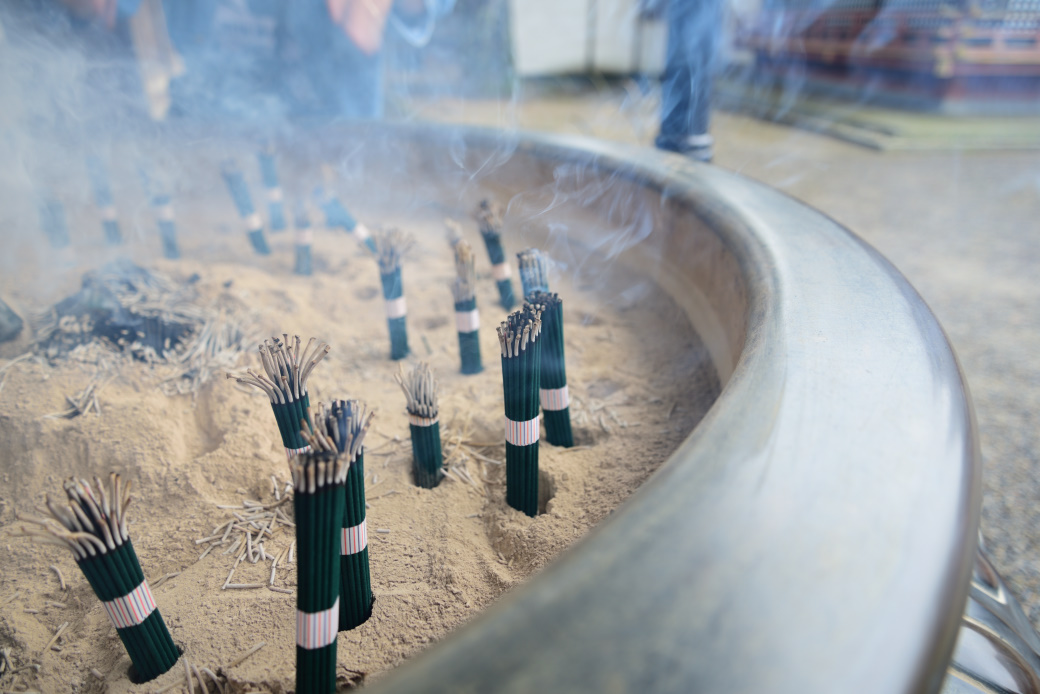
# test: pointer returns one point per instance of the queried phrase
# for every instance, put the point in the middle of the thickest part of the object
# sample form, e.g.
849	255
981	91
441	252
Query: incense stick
104	200
287	369
467	318
269	176
254	225
391	245
519	339
304	239
93	526
336	214
341	427
490	220
318	478
420	388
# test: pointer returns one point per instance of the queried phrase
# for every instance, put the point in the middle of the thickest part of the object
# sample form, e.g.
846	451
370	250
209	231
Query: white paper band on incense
254	222
500	272
354	539
396	308
420	421
522	433
108	213
305	237
554	399
290	452
131	610
274	194
361	231
164	213
467	321
317	629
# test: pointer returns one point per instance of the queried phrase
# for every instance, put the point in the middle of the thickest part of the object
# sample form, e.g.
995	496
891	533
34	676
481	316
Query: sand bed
640	381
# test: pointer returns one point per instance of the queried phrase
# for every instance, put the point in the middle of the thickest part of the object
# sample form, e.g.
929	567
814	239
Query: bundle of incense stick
53	222
467	317
336	214
94	527
490	222
391	245
163	210
341	428
555	398
420	388
288	368
104	200
534	271
304	239
454	231
521	367
269	175
318	501
236	184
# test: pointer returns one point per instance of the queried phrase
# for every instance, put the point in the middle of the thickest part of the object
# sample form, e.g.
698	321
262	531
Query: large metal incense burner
818	531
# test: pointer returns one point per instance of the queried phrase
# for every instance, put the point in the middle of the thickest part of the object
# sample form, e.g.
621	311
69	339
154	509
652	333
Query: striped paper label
317	629
396	308
108	213
354	539
164	213
522	433
361	231
554	398
467	321
500	272
421	421
290	452
254	223
132	609
274	194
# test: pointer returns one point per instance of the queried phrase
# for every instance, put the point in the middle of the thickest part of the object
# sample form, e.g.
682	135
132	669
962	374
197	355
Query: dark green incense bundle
420	388
391	245
304	240
336	214
318	500
275	202
94	527
163	210
53	222
534	271
467	318
519	338
104	200
553	393
490	222
254	225
341	427
287	368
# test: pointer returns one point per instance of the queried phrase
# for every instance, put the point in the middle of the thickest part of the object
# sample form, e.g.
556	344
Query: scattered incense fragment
287	369
553	393
55	604
57	635
61	579
269	176
467	317
341	428
93	526
254	225
97	673
391	245
243	586
242	658
519	338
99	182
318	498
280	590
489	218
420	389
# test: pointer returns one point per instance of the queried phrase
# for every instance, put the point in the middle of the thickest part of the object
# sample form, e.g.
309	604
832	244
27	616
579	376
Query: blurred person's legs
693	26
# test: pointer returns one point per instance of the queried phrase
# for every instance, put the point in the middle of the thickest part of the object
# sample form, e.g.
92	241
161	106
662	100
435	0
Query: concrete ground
964	227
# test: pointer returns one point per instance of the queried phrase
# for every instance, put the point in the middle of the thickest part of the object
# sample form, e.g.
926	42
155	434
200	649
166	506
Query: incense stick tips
420	390
391	245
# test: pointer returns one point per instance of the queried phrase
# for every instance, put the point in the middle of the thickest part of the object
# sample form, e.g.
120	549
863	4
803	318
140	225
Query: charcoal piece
10	323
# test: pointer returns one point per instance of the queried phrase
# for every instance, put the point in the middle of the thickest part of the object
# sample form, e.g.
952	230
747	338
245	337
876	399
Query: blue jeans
693	27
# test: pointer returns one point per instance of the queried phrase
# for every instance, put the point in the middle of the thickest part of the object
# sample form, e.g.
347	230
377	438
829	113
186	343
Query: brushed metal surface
816	532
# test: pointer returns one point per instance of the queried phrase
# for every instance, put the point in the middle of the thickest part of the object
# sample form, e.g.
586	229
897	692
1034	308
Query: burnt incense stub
275	202
420	390
391	245
251	220
467	317
489	219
